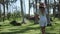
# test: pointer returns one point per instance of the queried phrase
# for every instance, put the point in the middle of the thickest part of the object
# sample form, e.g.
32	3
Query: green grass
28	28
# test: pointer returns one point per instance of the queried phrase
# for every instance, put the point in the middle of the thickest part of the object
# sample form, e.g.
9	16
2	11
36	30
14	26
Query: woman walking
43	19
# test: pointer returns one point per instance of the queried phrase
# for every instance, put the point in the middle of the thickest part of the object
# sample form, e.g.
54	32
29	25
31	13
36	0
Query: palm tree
46	2
59	8
36	20
6	3
2	2
21	1
29	7
36	5
54	8
47	7
0	12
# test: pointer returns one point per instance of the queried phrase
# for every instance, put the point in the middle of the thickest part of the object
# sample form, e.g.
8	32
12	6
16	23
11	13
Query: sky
31	10
26	7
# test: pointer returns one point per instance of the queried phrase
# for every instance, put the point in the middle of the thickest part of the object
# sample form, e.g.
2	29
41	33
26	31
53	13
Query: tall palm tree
7	1
21	1
36	20
3	3
0	12
36	5
47	7
59	9
46	2
29	7
4	11
54	8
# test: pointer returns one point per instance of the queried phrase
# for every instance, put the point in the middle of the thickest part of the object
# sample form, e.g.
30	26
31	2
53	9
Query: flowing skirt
43	21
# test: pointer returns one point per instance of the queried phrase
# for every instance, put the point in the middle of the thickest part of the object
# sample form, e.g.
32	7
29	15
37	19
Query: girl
43	19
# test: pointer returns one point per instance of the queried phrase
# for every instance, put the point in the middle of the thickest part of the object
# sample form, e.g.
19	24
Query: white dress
43	19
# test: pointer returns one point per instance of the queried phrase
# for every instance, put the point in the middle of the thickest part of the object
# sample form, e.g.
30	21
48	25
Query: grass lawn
28	28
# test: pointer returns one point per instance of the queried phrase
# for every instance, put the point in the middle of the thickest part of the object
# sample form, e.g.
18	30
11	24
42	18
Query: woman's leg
43	30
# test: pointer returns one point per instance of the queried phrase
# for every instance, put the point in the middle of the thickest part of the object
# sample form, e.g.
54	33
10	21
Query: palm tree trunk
59	9
36	5
29	7
0	12
46	2
4	12
47	15
7	10
36	20
22	11
54	8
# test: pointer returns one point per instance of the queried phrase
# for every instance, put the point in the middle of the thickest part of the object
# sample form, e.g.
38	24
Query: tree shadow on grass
21	31
50	33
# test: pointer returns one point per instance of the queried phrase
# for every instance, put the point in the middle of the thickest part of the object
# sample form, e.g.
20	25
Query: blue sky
26	6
